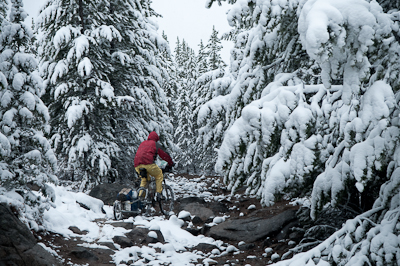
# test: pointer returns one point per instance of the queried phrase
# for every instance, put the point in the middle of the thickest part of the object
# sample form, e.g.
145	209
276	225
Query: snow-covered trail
100	231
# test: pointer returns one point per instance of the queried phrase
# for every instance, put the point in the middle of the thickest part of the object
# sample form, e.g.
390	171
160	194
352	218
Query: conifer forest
307	107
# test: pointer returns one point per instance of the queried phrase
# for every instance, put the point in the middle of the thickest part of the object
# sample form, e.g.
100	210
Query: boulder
199	210
205	247
251	229
126	225
197	220
108	192
218	207
83	253
188	200
18	246
78	231
193	231
123	241
140	236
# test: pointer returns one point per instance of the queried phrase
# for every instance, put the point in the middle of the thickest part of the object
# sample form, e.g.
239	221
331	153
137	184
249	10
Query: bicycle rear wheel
167	204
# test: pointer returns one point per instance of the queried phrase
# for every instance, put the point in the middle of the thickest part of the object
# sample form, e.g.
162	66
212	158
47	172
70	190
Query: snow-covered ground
68	212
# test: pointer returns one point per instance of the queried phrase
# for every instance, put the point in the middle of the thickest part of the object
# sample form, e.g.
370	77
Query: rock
251	229
199	210
108	192
139	236
210	220
83	253
123	241
246	247
218	207
286	230
205	247
17	244
78	231
193	231
125	225
110	245
296	236
186	219
188	200
159	238
197	220
205	229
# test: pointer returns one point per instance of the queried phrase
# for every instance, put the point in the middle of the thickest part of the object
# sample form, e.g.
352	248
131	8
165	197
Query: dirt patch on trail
74	251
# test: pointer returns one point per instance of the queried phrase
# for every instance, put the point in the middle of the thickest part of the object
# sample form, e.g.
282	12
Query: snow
85	67
183	214
18	81
251	207
75	112
218	220
80	210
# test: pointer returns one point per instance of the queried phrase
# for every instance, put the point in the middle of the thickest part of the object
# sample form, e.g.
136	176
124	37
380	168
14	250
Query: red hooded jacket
148	150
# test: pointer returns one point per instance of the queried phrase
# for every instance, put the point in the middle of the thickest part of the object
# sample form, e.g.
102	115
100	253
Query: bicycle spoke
167	204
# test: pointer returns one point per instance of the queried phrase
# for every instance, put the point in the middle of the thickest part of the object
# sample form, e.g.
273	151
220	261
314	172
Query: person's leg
143	181
155	171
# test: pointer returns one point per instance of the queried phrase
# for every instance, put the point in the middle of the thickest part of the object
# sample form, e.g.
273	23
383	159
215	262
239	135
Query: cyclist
145	158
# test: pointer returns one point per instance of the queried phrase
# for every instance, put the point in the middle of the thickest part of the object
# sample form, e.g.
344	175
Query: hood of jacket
153	136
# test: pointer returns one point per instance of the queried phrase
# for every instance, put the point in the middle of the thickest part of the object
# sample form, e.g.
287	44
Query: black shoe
159	197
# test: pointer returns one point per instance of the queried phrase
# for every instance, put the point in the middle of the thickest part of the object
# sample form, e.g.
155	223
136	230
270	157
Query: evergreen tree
214	48
3	11
178	52
169	84
79	94
208	86
254	64
333	138
202	64
184	131
26	158
142	77
102	83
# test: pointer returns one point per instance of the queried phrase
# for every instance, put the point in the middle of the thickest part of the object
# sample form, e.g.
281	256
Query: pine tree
142	77
334	138
169	84
3	11
208	86
178	52
202	64
184	131
26	157
78	91
102	81
254	64
214	48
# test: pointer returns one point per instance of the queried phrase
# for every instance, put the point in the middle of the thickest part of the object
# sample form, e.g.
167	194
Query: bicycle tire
167	205
117	207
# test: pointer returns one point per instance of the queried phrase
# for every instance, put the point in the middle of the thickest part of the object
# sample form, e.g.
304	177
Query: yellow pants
152	170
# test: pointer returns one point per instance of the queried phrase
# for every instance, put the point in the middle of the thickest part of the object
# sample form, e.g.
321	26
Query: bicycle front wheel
167	204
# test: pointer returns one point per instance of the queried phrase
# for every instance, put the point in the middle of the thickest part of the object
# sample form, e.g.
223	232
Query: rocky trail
243	232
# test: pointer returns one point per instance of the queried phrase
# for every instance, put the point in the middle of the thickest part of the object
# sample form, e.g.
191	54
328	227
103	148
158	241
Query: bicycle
146	201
